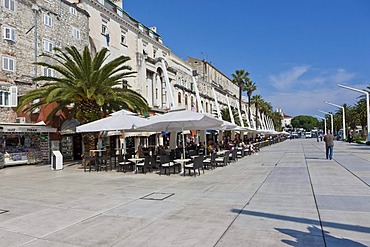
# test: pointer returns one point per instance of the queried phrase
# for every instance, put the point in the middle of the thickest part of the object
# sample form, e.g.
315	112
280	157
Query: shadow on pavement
305	239
354	228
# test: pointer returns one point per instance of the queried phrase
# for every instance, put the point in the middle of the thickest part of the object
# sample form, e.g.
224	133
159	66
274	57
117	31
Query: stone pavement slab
288	195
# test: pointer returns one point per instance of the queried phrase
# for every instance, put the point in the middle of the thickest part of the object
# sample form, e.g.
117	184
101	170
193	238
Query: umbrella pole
205	143
183	141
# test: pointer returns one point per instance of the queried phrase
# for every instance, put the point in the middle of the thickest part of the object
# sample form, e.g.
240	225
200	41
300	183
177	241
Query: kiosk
25	143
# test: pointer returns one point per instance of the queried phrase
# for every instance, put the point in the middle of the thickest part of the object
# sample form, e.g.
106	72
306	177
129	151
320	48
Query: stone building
163	78
30	28
210	77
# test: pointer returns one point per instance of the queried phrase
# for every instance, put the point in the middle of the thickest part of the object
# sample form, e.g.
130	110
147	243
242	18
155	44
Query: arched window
186	99
206	106
179	98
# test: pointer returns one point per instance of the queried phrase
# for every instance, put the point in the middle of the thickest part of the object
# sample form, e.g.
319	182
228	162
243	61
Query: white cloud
302	90
308	78
288	78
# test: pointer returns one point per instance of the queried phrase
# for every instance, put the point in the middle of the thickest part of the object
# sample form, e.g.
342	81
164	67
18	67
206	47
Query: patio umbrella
115	122
118	122
180	120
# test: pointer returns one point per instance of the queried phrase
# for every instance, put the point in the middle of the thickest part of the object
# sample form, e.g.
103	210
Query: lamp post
344	117
367	106
324	123
331	118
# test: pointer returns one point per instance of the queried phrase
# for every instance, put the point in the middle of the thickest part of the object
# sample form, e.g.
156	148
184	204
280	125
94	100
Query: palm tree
89	84
257	100
250	88
240	78
361	111
277	119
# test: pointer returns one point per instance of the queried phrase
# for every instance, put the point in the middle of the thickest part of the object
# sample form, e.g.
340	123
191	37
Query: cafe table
135	161
182	162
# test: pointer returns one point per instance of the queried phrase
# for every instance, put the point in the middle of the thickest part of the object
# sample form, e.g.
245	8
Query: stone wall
27	28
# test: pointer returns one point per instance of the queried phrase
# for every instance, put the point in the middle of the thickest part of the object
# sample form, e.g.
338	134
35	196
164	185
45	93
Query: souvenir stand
25	143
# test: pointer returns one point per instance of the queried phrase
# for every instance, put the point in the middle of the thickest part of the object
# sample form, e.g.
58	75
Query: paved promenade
288	195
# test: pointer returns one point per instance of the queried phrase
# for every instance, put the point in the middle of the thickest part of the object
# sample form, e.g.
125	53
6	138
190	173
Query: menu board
44	147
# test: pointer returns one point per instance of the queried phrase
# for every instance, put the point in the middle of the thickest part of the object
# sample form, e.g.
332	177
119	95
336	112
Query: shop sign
26	129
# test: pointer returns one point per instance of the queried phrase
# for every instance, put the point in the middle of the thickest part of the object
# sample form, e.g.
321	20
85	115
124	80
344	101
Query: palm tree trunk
256	116
88	140
249	108
240	97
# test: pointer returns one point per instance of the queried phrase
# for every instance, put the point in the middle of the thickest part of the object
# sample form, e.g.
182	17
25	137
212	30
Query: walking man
329	144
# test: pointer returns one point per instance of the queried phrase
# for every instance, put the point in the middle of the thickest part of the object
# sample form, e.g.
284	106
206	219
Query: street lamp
367	106
324	123
344	117
331	118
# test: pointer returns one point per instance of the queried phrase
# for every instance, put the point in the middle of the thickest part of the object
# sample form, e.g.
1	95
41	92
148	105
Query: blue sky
296	51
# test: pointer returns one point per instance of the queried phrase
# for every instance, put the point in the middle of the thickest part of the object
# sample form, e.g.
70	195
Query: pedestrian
329	144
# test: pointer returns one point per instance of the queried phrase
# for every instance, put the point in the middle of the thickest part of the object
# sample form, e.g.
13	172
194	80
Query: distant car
308	135
294	135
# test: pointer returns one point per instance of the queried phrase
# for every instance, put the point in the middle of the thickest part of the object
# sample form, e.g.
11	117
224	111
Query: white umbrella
115	122
180	120
119	122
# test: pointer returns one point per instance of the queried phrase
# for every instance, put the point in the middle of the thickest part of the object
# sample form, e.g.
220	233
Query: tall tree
250	88
362	115
277	119
257	101
91	85
240	78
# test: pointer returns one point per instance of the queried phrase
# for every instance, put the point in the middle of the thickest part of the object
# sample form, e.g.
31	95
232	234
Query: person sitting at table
252	150
139	152
161	150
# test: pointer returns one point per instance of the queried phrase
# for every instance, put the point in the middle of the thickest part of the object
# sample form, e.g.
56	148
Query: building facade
209	78
163	78
30	28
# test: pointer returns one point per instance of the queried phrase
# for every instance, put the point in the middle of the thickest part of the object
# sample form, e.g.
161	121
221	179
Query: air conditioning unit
20	120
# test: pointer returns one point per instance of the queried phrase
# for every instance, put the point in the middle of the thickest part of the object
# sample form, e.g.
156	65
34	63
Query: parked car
308	135
294	135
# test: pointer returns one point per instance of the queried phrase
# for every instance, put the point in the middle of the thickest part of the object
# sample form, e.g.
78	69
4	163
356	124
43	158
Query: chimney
154	29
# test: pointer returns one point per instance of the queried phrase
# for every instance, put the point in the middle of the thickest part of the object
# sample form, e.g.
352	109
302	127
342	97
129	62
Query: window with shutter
9	5
8	64
47	72
13	96
48	20
76	34
48	45
9	33
72	10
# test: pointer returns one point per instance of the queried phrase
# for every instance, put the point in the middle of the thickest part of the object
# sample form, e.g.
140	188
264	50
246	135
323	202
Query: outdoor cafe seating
210	162
197	164
123	163
223	160
166	165
147	165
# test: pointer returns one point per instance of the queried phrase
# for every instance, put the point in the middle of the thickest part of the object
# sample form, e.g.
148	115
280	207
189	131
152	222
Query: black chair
196	165
146	165
210	162
193	153
223	160
123	163
233	155
89	162
166	164
105	163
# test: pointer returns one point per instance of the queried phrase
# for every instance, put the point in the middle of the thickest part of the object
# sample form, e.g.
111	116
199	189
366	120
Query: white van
308	134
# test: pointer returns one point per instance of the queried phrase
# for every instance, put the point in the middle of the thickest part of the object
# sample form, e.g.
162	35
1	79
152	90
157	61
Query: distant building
286	118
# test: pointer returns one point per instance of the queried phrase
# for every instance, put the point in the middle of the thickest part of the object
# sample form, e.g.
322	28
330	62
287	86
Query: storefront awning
69	127
26	128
